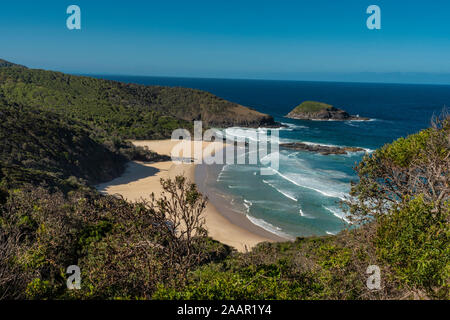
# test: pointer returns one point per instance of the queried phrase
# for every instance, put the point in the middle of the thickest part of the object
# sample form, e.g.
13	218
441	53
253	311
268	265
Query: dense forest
39	146
128	110
60	134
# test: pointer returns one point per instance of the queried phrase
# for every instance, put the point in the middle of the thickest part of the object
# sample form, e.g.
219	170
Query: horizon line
306	75
281	80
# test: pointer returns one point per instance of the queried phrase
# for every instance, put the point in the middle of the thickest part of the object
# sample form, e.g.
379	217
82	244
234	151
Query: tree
180	211
402	198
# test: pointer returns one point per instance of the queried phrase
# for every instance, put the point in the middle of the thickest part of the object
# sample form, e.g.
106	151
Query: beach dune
140	180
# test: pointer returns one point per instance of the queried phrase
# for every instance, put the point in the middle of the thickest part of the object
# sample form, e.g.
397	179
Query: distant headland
313	110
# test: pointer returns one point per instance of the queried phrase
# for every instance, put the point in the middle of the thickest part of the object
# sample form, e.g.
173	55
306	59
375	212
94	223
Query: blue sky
305	40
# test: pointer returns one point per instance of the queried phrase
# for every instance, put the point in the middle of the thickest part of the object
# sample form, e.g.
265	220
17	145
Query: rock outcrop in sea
312	110
325	150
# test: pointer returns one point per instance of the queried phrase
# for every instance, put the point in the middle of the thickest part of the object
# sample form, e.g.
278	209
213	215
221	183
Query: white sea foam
269	158
304	215
350	123
294	126
335	174
245	133
223	171
370	120
238	187
247	205
287	195
331	233
325	181
320	144
337	213
356	120
337	120
262	223
241	133
268	227
309	183
336	146
291	155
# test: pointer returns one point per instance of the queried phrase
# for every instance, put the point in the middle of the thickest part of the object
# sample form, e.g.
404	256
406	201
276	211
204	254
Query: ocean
302	197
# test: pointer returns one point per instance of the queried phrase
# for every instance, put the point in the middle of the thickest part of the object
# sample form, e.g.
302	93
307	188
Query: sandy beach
141	179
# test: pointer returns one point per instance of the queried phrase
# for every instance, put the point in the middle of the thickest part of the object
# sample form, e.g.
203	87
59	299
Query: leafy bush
403	196
415	240
124	250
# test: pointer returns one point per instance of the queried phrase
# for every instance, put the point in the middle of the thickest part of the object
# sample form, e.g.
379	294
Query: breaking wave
284	193
337	213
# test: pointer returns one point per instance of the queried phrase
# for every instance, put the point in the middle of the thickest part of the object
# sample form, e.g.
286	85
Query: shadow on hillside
133	172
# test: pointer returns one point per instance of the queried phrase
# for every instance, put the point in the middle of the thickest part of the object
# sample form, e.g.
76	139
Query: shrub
414	240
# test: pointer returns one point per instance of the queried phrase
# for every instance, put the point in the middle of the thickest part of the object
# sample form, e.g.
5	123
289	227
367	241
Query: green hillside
39	147
4	63
57	126
128	110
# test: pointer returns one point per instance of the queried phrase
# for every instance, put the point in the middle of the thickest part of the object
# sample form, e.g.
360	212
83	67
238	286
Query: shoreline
223	224
221	204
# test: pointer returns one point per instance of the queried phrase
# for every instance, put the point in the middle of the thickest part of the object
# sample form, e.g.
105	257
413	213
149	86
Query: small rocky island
325	150
312	110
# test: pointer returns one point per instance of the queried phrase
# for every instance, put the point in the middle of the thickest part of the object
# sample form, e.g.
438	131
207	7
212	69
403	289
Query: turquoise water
302	197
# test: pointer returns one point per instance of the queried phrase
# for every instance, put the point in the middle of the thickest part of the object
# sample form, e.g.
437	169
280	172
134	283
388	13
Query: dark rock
325	150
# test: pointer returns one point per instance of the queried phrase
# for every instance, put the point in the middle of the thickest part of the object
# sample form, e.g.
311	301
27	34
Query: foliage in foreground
401	205
160	250
133	251
123	249
404	195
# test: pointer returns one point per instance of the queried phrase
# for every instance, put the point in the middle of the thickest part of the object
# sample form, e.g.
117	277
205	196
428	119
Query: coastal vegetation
38	146
61	134
129	111
404	194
